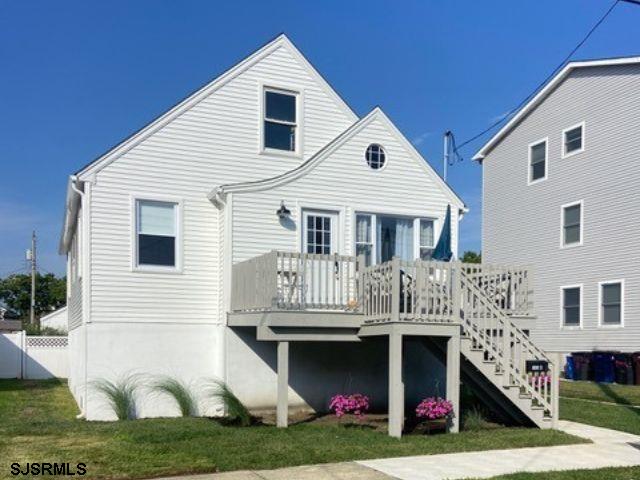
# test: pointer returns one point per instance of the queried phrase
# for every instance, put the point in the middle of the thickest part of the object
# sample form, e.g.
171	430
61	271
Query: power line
544	82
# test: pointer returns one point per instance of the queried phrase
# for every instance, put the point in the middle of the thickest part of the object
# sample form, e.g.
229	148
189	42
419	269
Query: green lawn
602	392
624	473
38	424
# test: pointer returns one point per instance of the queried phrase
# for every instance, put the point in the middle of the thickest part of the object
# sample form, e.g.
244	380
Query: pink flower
355	403
433	408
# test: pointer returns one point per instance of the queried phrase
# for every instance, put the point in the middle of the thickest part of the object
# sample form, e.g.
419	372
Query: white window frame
530	180
374	224
298	93
584	139
600	285
563	326
386	157
373	234
562	209
135	267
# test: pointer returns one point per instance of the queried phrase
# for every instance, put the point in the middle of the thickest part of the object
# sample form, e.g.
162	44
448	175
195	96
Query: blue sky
79	76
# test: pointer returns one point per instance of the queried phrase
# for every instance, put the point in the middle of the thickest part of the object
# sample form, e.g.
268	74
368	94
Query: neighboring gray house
561	185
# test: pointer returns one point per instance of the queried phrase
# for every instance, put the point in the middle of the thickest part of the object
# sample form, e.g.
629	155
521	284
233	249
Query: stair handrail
547	398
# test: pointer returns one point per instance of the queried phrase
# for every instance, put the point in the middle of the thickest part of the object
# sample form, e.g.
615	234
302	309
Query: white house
559	194
56	319
234	236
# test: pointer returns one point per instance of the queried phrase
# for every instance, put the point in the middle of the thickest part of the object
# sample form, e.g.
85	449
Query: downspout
82	414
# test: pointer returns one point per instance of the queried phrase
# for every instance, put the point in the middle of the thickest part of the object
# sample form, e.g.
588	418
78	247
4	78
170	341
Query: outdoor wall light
283	212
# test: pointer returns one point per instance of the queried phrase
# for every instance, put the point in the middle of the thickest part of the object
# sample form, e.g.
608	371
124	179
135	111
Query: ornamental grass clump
235	410
434	408
179	392
120	394
356	404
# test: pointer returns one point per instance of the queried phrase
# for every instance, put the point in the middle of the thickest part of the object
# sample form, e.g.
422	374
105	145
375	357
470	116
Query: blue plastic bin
604	370
570	368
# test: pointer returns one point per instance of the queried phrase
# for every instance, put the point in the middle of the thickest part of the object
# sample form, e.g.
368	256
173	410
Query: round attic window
375	155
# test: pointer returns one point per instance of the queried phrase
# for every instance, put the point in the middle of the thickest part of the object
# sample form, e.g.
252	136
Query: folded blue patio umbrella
443	251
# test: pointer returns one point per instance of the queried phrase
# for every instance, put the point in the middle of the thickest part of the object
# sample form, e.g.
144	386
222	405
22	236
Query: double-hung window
572	306
538	161
364	237
572	224
156	234
611	303
280	129
573	140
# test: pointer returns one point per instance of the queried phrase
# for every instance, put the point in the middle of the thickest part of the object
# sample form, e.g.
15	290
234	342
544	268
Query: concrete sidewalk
610	448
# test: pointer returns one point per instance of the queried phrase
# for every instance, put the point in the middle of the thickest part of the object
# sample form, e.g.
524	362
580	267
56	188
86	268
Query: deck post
453	381
395	289
396	386
282	410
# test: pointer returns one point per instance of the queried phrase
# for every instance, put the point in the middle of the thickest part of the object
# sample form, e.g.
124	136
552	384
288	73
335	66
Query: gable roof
219	192
280	41
544	93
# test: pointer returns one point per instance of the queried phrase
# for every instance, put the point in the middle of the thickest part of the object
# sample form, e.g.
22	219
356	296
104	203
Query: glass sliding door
395	238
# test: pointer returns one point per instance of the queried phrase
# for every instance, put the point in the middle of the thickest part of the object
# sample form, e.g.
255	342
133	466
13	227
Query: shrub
355	403
434	408
179	392
120	394
236	411
474	419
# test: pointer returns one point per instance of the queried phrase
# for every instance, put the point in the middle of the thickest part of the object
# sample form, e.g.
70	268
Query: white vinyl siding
215	142
343	182
523	226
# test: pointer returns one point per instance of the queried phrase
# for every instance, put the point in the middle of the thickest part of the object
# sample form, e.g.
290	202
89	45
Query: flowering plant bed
354	403
432	413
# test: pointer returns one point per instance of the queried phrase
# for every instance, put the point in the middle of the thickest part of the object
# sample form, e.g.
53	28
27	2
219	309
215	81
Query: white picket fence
23	356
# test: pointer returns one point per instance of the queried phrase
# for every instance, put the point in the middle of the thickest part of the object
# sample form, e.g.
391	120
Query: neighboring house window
156	233
573	140
375	156
572	224
538	161
572	306
364	238
280	120
427	239
611	303
381	237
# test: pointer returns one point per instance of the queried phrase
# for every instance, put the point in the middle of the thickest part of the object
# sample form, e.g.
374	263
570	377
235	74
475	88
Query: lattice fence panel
47	342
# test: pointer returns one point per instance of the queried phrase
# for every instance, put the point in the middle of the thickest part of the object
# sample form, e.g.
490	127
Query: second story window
573	140
538	161
611	303
572	224
572	306
280	120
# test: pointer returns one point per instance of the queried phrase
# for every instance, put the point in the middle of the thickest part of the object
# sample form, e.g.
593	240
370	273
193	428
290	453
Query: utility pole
32	257
447	135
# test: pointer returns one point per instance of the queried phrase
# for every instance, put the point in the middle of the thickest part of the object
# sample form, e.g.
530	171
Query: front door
320	237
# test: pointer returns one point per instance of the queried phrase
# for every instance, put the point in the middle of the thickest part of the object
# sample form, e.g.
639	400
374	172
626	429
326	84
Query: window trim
562	209
563	326
544	140
564	153
135	267
600	312
287	90
374	214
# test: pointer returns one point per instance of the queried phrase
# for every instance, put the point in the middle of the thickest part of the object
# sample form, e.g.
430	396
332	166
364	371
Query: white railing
296	281
409	291
491	329
509	287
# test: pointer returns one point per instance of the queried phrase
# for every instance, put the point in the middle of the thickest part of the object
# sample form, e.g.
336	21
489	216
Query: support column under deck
396	386
282	410
453	381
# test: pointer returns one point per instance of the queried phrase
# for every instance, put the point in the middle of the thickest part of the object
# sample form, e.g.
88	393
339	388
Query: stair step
537	407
